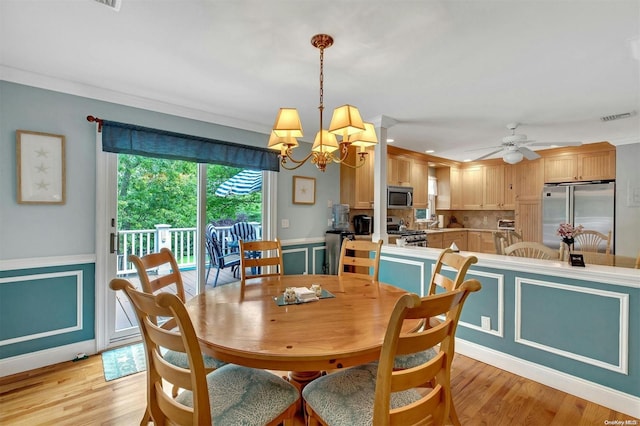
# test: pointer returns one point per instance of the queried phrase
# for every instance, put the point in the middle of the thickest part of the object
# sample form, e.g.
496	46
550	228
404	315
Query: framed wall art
304	190
40	168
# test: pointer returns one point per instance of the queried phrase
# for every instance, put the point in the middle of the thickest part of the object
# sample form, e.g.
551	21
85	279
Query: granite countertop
435	231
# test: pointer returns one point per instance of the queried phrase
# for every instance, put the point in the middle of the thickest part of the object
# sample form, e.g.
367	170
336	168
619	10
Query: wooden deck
125	317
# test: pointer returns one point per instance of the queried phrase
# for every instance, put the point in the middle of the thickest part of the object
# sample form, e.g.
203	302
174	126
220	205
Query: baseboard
602	395
33	360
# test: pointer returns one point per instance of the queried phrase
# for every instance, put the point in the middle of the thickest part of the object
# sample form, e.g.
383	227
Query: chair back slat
593	241
362	255
456	261
160	261
532	250
260	259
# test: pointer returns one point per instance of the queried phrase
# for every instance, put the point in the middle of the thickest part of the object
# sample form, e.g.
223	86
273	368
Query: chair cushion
346	397
179	359
402	362
245	396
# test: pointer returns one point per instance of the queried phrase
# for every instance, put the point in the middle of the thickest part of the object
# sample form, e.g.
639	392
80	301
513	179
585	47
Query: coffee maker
362	224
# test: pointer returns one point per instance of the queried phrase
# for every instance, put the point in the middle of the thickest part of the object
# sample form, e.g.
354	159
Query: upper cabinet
419	179
449	188
398	170
356	185
571	166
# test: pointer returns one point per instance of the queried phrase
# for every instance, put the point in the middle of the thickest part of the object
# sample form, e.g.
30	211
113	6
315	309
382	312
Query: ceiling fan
514	147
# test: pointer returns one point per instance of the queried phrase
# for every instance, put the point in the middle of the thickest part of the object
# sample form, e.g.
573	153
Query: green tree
153	191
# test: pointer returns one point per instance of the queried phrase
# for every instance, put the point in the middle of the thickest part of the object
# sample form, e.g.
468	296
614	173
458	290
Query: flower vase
569	243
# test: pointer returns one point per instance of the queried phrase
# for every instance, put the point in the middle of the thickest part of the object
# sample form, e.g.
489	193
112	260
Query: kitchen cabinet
472	188
598	165
458	237
398	170
419	177
509	202
356	185
529	180
480	242
449	188
528	216
434	240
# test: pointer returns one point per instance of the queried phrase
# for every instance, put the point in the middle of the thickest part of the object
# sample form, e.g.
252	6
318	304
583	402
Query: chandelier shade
288	124
346	122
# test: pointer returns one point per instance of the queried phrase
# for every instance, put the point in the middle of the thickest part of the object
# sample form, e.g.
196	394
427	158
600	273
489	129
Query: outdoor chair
242	231
216	258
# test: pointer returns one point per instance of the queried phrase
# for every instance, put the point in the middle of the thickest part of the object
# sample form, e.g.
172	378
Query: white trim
623	336
313	256
45	262
423	288
302	241
54	332
602	395
500	279
306	256
43	358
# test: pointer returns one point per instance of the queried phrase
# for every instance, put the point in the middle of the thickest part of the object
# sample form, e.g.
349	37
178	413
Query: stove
412	237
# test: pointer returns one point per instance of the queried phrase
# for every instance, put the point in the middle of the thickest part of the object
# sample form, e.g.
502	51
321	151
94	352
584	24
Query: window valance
131	139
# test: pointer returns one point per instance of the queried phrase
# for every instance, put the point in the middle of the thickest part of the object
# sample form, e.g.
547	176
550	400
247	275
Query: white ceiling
452	73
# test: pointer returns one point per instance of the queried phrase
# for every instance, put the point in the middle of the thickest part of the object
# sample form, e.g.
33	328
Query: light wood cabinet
598	165
509	187
398	170
419	177
458	237
449	189
472	189
356	185
480	242
529	180
493	187
434	240
528	215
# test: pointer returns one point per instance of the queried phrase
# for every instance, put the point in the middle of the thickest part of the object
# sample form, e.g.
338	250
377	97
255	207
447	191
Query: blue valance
131	139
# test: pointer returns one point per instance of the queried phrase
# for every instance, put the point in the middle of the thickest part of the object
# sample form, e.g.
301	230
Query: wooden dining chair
499	241
216	258
167	279
456	262
594	241
378	393
231	394
260	259
533	250
356	256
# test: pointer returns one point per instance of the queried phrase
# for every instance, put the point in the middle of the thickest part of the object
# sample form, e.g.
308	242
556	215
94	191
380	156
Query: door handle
114	242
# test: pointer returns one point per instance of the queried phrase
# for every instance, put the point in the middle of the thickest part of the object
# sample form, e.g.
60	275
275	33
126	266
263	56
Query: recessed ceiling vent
617	116
113	4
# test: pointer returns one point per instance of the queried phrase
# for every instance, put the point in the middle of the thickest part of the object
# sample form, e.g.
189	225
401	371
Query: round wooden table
250	329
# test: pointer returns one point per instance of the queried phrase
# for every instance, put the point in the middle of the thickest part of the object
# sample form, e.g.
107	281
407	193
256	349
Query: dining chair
168	281
355	255
216	258
513	237
594	241
260	259
499	241
379	394
533	250
231	394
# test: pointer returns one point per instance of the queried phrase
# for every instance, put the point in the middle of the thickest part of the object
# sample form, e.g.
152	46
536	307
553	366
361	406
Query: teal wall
47	307
584	328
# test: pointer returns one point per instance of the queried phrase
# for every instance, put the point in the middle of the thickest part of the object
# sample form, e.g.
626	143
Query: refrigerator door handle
570	203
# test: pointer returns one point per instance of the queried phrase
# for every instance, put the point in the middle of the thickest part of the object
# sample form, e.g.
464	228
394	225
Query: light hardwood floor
75	393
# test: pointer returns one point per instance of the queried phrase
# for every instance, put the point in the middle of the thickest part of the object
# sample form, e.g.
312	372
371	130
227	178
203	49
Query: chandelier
345	123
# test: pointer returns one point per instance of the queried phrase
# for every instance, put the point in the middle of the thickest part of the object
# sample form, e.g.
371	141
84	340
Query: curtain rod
93	119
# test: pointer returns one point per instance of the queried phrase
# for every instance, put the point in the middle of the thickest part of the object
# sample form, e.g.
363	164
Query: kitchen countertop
435	231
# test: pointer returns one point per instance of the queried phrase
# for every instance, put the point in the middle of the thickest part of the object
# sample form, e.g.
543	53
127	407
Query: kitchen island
576	329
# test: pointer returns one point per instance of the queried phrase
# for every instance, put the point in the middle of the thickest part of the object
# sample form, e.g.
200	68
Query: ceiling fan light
512	157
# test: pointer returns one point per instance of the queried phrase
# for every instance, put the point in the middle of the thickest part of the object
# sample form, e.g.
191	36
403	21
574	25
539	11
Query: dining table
255	328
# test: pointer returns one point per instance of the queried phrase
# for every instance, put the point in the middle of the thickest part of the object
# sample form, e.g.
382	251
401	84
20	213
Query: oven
411	238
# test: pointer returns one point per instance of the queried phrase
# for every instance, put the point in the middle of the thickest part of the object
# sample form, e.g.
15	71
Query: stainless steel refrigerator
591	205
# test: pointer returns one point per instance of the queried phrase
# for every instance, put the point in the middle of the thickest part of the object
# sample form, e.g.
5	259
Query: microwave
399	197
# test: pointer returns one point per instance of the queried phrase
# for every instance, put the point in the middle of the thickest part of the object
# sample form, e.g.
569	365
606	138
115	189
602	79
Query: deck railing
181	241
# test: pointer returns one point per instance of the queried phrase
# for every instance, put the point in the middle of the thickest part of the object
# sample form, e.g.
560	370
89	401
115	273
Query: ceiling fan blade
528	154
487	155
554	143
485	147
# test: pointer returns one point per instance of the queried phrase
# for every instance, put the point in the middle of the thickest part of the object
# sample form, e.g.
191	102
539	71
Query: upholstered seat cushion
402	362
179	359
245	396
346	398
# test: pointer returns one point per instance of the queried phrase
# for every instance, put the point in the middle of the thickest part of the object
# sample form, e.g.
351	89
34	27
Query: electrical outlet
285	223
486	323
330	203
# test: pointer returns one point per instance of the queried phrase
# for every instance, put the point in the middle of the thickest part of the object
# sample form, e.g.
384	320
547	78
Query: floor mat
123	361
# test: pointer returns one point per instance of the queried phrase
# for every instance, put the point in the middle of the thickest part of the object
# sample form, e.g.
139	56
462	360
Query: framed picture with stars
40	168
304	190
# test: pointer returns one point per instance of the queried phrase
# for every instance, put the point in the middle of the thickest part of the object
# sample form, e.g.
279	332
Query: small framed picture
304	190
576	259
40	168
